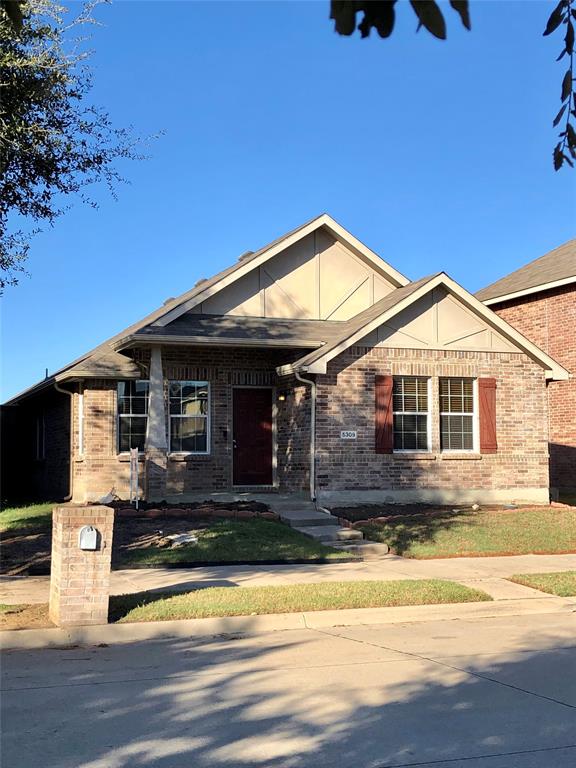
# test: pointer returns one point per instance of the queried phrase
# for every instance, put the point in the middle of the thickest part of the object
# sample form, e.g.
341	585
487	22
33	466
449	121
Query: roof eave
528	291
171	340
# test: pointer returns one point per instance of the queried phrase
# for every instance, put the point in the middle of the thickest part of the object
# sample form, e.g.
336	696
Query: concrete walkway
486	573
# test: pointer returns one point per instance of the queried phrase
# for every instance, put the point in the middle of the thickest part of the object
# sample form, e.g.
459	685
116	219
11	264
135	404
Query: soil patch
26	552
24	617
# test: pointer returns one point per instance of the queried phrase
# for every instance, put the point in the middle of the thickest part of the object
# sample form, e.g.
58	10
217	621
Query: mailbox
88	538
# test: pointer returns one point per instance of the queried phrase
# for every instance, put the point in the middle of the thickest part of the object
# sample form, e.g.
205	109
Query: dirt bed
27	552
371	511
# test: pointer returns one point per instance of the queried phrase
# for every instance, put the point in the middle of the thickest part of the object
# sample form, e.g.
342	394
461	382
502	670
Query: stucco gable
432	311
439	321
317	278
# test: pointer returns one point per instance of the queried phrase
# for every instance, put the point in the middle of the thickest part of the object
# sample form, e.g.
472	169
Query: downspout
58	388
312	433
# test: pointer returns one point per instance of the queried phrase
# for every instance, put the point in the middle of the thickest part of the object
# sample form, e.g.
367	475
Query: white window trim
128	415
427	413
475	418
208	418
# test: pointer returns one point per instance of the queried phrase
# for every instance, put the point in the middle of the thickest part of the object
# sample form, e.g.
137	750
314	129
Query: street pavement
484	693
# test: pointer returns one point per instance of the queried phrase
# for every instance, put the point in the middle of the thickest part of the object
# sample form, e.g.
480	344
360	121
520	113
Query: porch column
155	447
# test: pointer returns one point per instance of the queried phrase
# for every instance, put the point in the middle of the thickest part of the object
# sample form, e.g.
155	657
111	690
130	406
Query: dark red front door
252	434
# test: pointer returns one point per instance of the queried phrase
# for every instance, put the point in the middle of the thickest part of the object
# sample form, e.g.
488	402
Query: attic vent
245	255
168	300
199	282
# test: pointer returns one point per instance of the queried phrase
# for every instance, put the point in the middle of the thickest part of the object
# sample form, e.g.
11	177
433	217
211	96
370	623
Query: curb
29	639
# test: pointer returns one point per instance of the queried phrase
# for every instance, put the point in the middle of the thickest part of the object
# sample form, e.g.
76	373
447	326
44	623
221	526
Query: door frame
272	389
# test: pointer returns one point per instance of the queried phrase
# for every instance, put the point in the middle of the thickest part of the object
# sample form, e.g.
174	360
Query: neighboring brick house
311	365
539	300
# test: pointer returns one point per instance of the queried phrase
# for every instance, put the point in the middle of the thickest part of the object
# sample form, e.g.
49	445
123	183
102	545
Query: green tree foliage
380	15
53	142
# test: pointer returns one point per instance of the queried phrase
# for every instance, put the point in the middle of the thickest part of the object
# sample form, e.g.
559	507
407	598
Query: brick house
311	365
539	300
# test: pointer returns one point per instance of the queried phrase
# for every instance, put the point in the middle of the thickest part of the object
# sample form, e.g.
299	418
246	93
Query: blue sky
436	154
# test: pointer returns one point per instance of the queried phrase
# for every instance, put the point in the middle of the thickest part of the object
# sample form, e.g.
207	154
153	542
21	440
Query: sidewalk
486	573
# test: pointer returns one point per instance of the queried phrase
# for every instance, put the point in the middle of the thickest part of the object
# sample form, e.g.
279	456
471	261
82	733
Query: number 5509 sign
348	434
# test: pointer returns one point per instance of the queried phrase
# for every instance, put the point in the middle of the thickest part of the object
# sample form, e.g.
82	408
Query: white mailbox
88	538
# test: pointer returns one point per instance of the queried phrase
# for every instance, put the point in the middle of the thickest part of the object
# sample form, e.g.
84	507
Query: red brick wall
101	468
346	401
549	320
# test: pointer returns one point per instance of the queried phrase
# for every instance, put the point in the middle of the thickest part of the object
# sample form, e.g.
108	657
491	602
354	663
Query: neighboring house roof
399	300
554	269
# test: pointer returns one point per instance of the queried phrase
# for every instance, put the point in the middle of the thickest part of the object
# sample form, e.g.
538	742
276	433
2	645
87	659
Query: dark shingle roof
558	264
226	327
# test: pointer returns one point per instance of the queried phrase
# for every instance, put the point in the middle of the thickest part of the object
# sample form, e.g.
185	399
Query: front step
367	550
308	519
329	533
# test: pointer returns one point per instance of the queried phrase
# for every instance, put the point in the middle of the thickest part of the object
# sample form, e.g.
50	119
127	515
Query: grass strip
292	598
34	517
562	583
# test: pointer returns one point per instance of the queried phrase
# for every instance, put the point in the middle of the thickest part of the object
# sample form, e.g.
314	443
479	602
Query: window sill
414	456
187	456
126	457
460	456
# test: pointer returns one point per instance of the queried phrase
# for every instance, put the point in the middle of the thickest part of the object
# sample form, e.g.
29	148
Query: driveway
490	693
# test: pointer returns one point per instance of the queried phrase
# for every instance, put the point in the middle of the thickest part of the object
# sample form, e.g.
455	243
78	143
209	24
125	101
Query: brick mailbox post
80	571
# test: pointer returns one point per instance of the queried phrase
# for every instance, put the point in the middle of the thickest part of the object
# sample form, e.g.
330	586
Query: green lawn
35	517
246	601
547	530
236	540
562	584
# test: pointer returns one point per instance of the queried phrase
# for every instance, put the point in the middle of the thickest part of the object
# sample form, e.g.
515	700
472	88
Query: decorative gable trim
249	263
316	362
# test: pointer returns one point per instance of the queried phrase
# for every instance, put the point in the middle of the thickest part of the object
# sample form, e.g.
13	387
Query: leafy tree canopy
53	142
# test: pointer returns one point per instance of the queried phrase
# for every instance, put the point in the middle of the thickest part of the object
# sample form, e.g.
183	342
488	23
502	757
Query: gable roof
400	299
554	269
249	261
104	361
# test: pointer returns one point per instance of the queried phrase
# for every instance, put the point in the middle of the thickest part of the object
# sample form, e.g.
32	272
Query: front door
252	436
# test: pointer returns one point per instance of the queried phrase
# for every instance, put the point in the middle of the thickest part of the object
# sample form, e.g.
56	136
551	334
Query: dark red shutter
383	415
487	398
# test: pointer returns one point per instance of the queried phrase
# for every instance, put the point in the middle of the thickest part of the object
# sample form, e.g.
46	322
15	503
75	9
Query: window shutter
487	398
383	415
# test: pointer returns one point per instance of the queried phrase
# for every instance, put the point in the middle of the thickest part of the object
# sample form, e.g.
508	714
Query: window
410	413
40	438
457	414
132	414
189	413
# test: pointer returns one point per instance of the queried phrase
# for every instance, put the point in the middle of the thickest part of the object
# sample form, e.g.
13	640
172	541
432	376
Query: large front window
132	414
189	416
410	409
457	414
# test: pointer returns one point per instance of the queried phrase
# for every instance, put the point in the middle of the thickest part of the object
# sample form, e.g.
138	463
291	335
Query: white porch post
156	445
